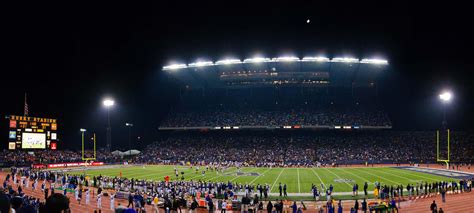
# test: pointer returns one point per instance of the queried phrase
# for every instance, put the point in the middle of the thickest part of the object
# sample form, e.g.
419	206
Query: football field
298	180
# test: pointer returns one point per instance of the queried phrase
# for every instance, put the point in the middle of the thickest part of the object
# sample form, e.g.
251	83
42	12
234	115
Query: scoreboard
32	133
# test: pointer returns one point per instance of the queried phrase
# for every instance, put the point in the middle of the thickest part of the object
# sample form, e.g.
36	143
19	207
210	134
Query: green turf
298	180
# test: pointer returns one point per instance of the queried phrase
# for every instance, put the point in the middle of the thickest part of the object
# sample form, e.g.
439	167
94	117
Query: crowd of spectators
306	149
14	199
250	117
22	157
274	148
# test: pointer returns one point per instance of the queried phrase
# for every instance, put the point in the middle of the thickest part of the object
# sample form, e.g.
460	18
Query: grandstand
284	92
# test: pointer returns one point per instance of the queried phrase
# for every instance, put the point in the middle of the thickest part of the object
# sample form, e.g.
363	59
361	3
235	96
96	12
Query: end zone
439	172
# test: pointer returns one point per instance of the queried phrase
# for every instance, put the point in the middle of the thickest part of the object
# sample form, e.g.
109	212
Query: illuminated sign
12	135
12	124
32	132
31	119
53	146
60	165
33	141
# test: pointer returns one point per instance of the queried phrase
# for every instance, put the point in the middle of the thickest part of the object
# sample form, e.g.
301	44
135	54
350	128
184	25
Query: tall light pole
108	103
445	97
129	125
82	132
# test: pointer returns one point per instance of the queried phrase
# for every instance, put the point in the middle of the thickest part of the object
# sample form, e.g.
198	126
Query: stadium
256	107
310	130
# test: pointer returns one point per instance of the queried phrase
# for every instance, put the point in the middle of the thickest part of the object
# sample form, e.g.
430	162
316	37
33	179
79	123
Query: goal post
446	158
83	151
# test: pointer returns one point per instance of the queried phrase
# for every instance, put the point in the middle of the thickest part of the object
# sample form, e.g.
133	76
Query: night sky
68	57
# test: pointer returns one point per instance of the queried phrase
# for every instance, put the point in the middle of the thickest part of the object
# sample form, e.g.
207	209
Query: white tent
131	152
126	153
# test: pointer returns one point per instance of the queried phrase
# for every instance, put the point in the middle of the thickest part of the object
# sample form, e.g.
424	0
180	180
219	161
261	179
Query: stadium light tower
82	132
129	125
445	97
108	103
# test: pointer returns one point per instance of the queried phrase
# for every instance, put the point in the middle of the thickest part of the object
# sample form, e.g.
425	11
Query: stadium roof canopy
280	71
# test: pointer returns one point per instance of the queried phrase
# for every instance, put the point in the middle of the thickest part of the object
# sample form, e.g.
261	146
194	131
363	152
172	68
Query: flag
25	113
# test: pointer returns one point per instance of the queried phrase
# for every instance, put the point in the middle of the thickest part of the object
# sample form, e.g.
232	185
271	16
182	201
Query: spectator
57	203
434	207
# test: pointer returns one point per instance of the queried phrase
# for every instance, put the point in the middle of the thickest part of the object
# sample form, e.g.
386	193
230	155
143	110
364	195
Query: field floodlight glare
228	61
108	102
175	66
286	59
201	64
374	61
83	130
445	96
257	60
128	124
345	60
317	59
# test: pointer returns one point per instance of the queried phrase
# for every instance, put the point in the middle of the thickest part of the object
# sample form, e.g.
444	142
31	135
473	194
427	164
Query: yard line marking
395	175
220	175
241	176
260	175
414	174
382	177
169	173
345	170
338	177
196	176
276	179
320	180
299	187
